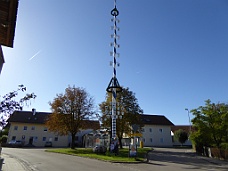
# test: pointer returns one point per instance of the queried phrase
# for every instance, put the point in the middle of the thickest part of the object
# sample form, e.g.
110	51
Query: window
151	140
33	128
15	128
160	130
150	129
35	138
161	140
143	130
144	140
25	128
44	138
56	138
45	129
13	138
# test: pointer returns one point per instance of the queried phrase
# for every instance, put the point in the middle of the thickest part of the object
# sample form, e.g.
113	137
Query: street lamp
189	119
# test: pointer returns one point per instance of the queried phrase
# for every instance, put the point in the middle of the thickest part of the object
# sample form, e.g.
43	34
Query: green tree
128	112
8	103
210	124
181	136
4	139
69	112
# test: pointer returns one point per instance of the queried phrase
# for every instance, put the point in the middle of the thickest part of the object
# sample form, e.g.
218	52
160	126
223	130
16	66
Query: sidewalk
11	164
214	161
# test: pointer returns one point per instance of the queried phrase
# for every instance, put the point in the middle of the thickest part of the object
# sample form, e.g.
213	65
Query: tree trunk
72	146
120	142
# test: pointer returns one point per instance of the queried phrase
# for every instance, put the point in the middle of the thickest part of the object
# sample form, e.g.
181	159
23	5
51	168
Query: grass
88	152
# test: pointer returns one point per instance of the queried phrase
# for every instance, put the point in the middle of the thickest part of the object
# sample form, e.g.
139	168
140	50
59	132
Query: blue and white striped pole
114	13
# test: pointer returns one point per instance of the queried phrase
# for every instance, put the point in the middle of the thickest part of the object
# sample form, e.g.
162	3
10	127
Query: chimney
33	112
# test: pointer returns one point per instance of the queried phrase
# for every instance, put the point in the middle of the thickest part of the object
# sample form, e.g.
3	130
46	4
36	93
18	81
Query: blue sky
173	53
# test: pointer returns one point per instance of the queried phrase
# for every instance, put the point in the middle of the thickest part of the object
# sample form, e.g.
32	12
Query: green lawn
88	152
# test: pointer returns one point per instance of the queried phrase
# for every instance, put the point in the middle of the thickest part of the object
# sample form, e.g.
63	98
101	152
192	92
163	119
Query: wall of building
35	134
1	59
157	135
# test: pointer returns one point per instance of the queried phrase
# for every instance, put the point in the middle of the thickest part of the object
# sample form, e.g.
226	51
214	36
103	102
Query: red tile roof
185	128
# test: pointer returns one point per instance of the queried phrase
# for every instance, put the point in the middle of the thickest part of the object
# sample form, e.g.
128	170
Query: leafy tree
210	124
3	139
69	112
5	131
9	104
128	112
181	136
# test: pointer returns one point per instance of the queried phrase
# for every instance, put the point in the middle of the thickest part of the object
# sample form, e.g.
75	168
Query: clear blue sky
173	53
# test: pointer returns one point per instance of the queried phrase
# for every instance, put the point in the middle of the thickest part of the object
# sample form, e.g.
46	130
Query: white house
29	127
156	131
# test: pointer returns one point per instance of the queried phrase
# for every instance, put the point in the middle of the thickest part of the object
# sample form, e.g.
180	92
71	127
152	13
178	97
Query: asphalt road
159	160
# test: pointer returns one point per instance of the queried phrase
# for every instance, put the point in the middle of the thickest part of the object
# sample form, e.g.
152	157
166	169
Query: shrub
4	139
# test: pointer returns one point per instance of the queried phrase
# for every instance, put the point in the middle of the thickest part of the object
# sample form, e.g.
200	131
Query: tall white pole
190	129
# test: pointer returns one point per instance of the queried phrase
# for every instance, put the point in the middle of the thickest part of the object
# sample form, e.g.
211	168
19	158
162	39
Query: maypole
114	86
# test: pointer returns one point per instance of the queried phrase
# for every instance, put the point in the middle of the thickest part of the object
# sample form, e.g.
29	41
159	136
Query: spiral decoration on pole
114	86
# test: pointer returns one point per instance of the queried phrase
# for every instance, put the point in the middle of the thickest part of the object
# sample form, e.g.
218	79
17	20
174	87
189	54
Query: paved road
182	159
160	160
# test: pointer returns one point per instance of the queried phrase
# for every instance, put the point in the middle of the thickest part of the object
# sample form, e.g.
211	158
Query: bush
181	136
99	149
4	139
224	146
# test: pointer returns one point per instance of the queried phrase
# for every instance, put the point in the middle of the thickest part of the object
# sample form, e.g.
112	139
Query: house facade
29	127
156	131
33	134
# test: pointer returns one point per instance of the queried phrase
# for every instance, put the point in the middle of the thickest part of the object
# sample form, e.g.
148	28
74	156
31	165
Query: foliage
69	111
9	104
181	136
5	131
210	124
88	152
224	146
127	104
4	139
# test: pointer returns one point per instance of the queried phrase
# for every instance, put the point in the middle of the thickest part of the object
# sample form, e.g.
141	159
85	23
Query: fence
215	153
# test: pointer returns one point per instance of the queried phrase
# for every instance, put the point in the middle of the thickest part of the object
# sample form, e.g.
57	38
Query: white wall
38	132
157	135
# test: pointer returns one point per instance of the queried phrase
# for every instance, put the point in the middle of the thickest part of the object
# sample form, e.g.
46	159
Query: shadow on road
180	157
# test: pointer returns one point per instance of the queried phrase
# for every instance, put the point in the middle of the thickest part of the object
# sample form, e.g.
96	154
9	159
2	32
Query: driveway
184	159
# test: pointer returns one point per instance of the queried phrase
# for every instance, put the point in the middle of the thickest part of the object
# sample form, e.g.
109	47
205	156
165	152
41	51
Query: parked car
15	143
48	144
